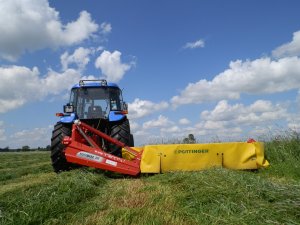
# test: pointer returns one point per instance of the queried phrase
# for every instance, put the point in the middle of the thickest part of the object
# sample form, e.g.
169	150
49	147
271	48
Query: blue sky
226	70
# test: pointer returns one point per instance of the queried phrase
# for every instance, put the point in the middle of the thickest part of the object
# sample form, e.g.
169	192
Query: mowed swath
31	193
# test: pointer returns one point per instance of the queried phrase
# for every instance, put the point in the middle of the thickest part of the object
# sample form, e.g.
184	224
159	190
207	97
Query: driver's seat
94	112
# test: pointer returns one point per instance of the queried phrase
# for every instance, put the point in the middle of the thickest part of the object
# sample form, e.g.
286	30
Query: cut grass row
216	196
15	165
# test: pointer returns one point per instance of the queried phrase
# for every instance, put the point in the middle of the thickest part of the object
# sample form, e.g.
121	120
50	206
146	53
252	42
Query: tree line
190	139
24	148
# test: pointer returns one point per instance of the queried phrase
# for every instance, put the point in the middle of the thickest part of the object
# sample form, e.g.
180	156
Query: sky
221	70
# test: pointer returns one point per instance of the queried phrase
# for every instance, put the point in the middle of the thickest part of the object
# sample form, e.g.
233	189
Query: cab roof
94	83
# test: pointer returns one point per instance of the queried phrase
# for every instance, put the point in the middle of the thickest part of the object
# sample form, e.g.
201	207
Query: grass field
30	193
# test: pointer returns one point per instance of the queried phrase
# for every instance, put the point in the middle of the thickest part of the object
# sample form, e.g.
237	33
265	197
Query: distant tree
190	139
6	149
25	148
48	148
185	140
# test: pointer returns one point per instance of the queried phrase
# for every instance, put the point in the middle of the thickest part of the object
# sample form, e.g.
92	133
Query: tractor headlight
103	83
81	83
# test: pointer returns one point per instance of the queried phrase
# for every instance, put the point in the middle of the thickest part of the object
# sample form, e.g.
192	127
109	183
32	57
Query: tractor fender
68	118
113	116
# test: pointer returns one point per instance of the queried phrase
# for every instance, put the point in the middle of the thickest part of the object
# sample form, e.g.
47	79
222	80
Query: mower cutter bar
81	148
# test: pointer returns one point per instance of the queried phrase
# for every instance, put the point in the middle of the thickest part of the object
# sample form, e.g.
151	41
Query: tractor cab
96	99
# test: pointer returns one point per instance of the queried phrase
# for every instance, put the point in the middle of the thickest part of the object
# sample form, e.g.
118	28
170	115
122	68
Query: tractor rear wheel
131	143
58	158
121	131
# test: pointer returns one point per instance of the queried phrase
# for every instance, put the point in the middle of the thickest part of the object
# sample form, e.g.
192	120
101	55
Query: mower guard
193	157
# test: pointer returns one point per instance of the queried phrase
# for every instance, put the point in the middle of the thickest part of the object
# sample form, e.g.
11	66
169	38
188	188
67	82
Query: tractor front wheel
58	158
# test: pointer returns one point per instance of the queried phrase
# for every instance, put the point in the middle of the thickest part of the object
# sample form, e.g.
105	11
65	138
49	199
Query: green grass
30	193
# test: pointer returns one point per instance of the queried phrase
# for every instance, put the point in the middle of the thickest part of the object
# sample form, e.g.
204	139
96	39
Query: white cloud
207	131
289	49
260	76
294	125
105	28
134	126
2	132
161	121
294	122
111	66
261	106
222	111
298	99
37	137
225	122
19	85
55	82
28	25
261	131
141	108
214	125
238	122
77	31
197	44
172	130
153	131
259	112
80	58
140	136
184	121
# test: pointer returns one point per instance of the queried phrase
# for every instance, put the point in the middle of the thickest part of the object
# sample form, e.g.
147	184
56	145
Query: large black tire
131	144
58	158
121	131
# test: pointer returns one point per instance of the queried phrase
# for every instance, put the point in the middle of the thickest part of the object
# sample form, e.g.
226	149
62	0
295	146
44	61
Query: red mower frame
82	148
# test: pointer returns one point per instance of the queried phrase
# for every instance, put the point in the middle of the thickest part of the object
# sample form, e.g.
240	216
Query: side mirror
125	106
68	108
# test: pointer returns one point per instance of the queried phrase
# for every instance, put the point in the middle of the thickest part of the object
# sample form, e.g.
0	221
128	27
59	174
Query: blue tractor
99	104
